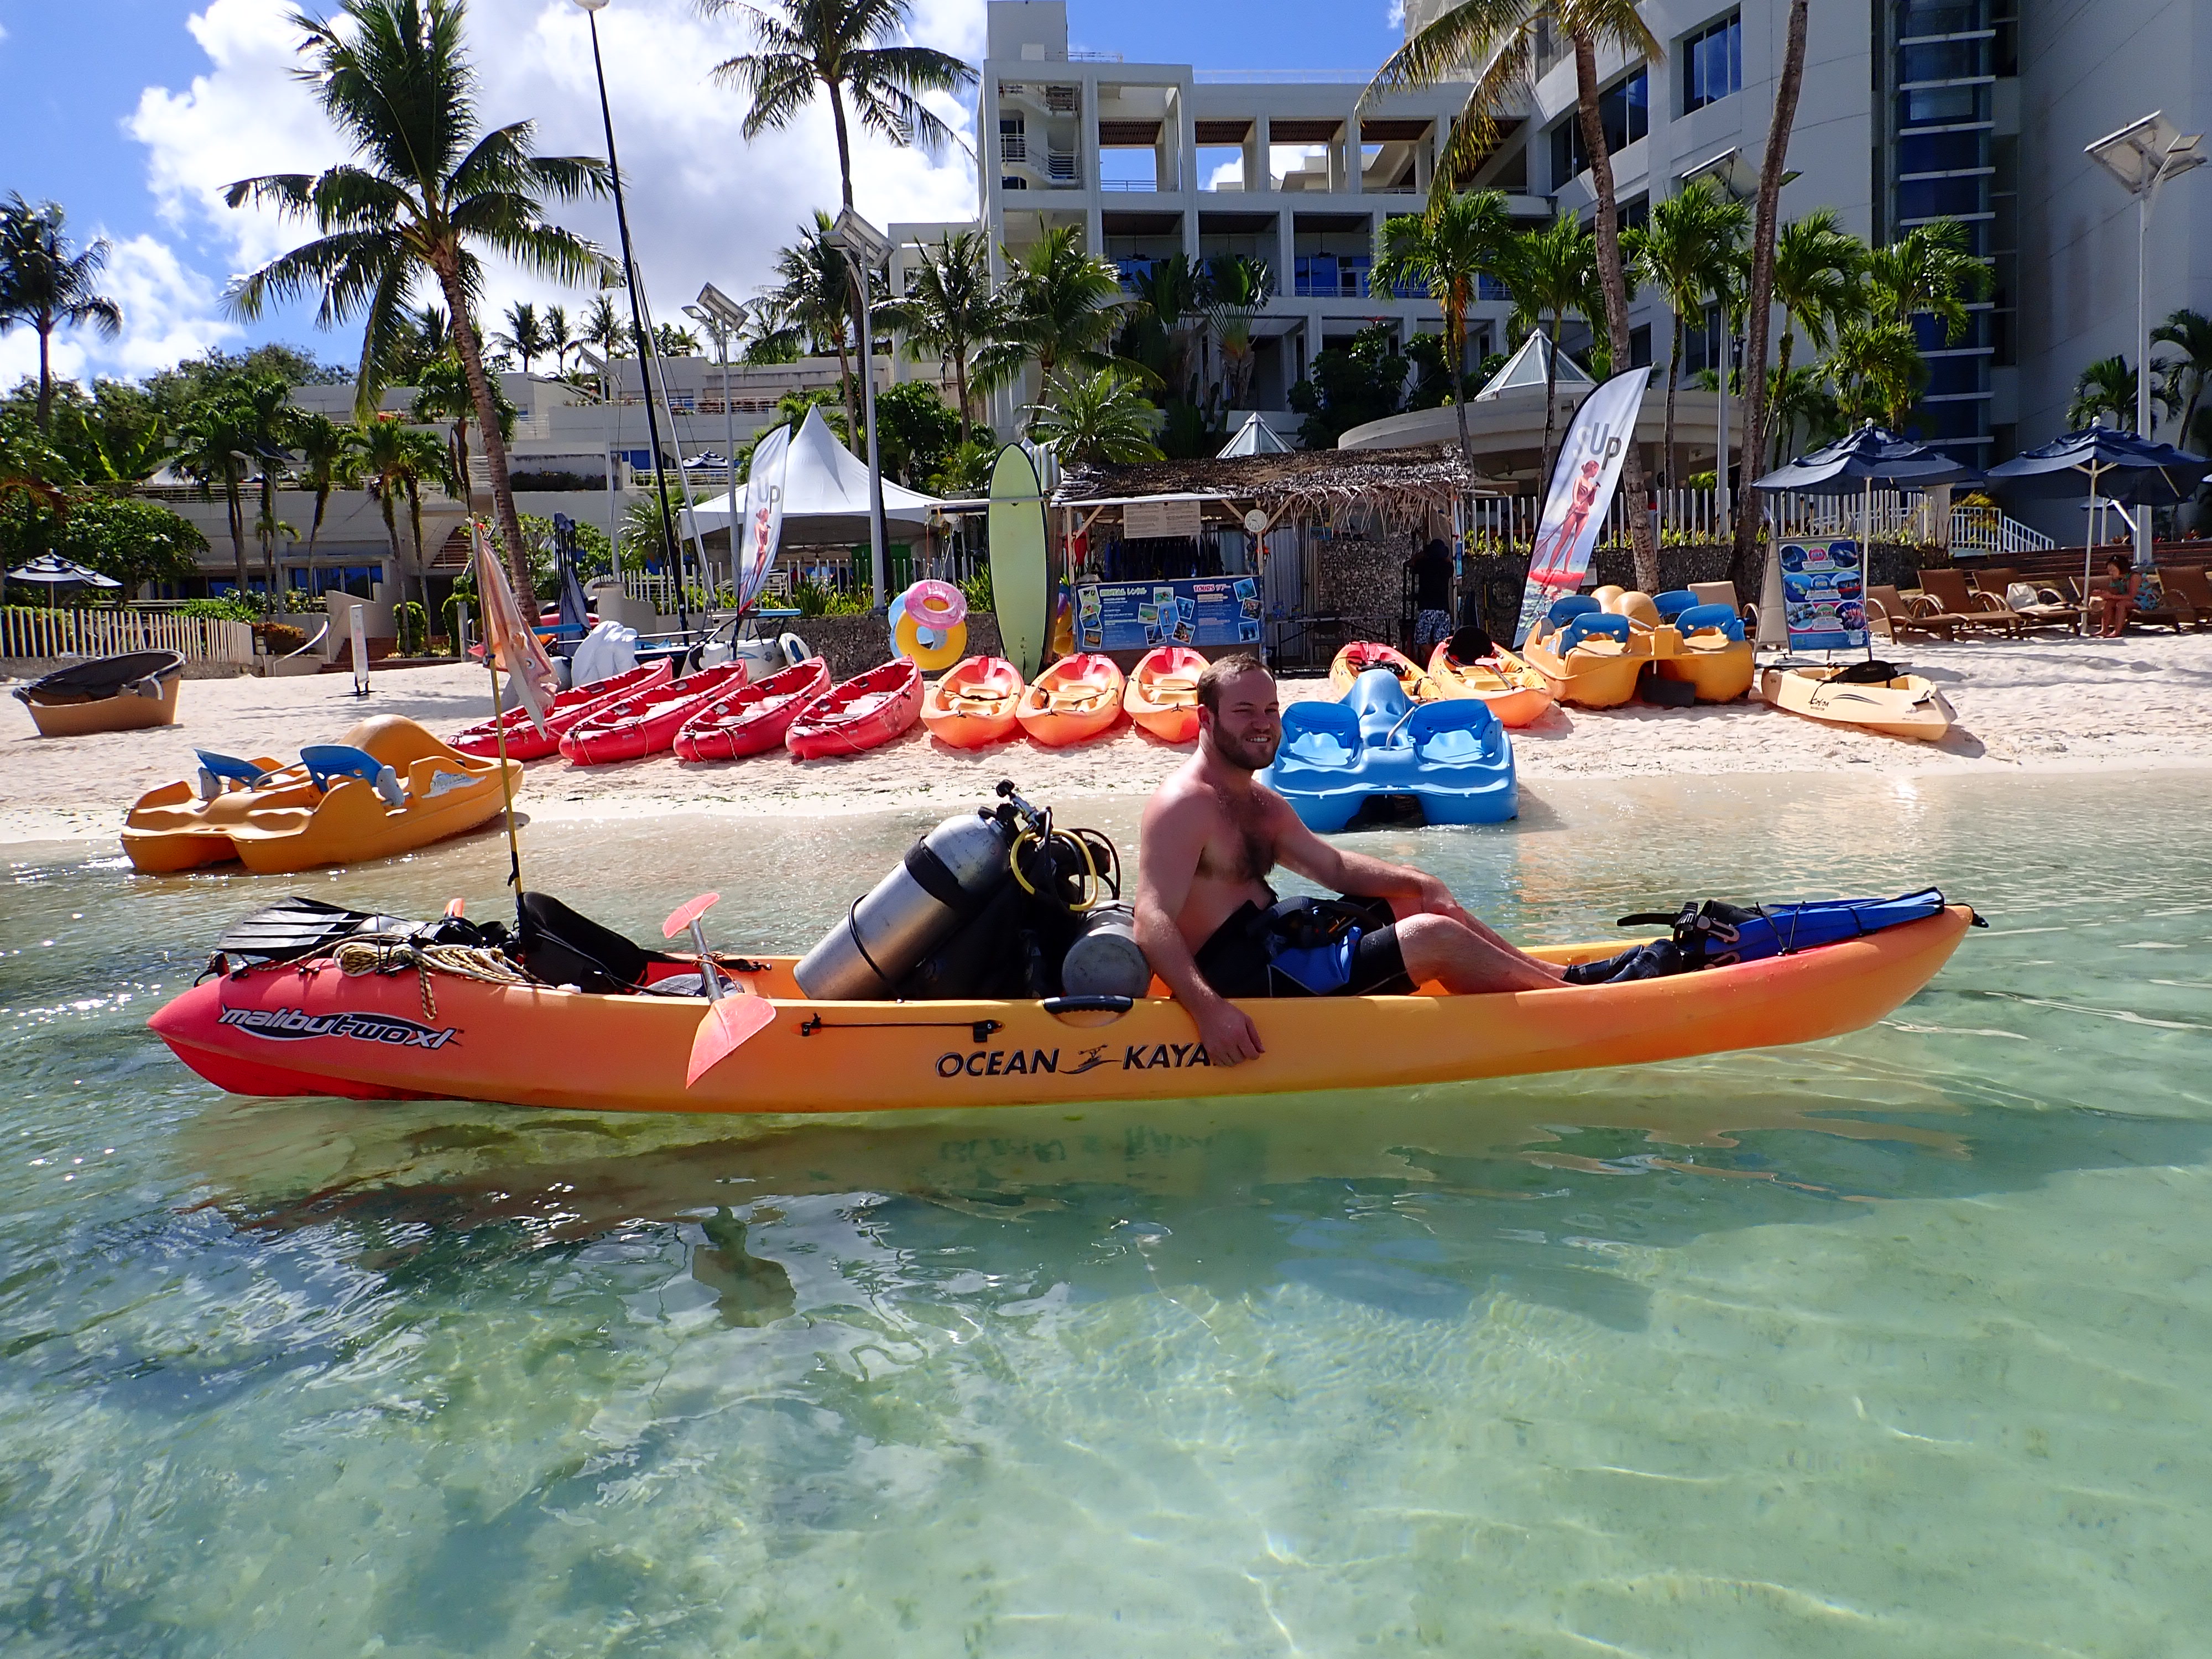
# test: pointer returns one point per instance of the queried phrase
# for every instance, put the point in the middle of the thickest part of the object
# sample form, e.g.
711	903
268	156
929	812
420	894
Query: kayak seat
1722	618
327	761
559	946
1673	602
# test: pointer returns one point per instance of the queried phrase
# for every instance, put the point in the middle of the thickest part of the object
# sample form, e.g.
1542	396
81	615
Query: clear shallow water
1897	1345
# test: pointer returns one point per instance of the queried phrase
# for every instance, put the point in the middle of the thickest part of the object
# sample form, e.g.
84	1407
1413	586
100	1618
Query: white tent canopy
1525	370
1254	437
825	495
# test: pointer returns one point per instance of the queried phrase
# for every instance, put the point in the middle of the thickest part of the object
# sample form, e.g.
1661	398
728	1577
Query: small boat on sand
646	722
525	742
1075	700
858	714
1517	693
127	693
973	702
752	720
1359	656
1162	697
1873	696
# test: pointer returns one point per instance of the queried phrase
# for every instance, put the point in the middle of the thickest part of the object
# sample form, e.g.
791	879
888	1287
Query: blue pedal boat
1453	757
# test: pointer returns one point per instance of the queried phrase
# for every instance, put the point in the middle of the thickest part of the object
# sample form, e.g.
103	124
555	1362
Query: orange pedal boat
1163	693
1075	700
973	702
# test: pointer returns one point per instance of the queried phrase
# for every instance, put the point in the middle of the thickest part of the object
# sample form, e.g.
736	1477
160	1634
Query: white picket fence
1694	515
26	631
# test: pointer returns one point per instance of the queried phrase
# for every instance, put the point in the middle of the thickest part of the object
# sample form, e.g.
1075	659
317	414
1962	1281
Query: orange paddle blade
727	1025
688	914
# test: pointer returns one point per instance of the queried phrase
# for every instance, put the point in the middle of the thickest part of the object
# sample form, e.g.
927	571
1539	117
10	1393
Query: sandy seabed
2051	702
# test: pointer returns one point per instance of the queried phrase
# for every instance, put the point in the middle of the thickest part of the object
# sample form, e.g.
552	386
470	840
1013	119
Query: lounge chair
2187	585
1973	609
1894	617
2049	611
2165	615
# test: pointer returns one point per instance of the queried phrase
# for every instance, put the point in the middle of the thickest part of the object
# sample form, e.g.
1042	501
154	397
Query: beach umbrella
2106	461
55	571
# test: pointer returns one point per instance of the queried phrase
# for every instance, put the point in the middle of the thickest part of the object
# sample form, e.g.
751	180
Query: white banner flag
763	526
1582	493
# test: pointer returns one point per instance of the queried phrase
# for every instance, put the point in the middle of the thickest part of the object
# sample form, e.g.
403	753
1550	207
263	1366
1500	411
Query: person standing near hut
1432	595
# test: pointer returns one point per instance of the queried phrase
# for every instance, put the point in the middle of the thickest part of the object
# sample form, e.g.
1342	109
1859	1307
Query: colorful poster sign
1137	615
1583	484
1824	595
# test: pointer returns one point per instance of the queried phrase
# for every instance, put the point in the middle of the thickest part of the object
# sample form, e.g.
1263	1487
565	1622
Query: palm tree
389	459
1801	399
1100	416
526	334
215	446
443	393
1688	252
1237	289
1816	280
320	442
604	326
1549	273
1493	44
813	293
1445	250
430	186
2190	332
2107	387
848	49
44	283
950	308
1878	369
1927	272
1063	306
267	405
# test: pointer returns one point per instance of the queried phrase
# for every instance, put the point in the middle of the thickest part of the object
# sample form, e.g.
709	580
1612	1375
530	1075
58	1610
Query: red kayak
647	723
525	742
858	714
753	722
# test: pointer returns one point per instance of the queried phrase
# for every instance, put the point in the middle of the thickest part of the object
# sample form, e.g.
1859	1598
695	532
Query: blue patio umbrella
51	570
2111	463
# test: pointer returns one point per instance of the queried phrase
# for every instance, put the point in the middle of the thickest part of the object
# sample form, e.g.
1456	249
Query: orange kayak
1361	655
309	1029
858	714
1075	700
1162	694
1517	693
973	702
752	720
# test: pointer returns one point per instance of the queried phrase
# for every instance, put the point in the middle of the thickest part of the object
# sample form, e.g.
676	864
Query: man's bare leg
1464	962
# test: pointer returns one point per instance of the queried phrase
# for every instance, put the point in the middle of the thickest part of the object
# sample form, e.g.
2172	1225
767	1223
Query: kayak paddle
730	1019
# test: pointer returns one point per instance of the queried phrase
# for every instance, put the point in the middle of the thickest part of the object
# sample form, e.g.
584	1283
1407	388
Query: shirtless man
1208	922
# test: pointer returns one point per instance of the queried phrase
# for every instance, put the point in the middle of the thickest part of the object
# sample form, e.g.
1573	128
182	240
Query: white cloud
1396	15
703	203
169	311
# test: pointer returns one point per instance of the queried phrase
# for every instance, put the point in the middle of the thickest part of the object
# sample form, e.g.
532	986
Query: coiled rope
358	956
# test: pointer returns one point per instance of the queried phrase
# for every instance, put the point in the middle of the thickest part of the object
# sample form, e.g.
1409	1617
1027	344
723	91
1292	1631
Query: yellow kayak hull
1907	707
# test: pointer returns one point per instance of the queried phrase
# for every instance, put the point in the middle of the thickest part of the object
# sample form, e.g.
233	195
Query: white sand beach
2050	703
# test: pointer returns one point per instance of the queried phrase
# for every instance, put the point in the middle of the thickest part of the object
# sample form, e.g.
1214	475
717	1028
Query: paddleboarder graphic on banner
764	515
1583	482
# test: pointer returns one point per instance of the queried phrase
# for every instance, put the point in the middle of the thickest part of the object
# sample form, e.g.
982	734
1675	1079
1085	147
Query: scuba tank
944	880
1104	960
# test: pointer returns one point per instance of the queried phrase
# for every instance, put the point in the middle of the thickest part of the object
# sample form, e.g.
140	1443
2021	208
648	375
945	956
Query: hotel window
1624	112
1712	63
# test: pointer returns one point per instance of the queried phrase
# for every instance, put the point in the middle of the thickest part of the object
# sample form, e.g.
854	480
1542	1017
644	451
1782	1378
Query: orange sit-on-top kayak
752	720
1517	693
1162	694
858	714
1358	656
343	1024
646	724
972	703
524	739
1075	700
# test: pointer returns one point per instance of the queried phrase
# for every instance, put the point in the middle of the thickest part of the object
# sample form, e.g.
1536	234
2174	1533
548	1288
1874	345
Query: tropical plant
1237	288
851	50
125	537
1102	414
813	293
1493	46
604	325
1444	251
1816	280
950	308
1063	306
320	443
560	336
524	335
1878	370
1156	330
915	430
1690	250
45	283
1350	386
2107	387
670	341
1804	411
2190	333
443	393
1929	271
390	460
966	473
428	187
1551	273
223	441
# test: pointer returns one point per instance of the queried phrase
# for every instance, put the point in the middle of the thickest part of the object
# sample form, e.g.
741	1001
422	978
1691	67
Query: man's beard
1241	754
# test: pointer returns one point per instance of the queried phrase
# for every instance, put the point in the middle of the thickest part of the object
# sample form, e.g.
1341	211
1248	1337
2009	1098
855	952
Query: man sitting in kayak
1212	928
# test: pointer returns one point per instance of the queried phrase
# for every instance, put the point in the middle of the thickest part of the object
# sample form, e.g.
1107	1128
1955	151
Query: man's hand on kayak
1228	1032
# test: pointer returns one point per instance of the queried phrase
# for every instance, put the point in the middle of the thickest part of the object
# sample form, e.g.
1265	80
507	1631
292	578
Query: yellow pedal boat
1704	645
1587	656
281	818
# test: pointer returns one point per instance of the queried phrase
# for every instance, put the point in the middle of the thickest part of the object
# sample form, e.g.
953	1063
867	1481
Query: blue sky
130	112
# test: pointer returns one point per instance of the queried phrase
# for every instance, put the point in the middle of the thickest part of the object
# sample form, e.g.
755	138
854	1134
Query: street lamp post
591	9
866	248
724	317
2143	155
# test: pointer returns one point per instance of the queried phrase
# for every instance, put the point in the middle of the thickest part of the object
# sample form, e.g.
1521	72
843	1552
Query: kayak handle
1088	1004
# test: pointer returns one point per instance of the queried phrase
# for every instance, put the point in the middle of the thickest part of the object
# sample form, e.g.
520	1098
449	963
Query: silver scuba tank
943	879
1105	960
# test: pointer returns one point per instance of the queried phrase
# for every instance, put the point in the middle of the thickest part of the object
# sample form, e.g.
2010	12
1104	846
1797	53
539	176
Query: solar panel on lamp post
2143	155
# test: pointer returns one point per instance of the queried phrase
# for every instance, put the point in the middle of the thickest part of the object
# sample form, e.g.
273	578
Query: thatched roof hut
1400	487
